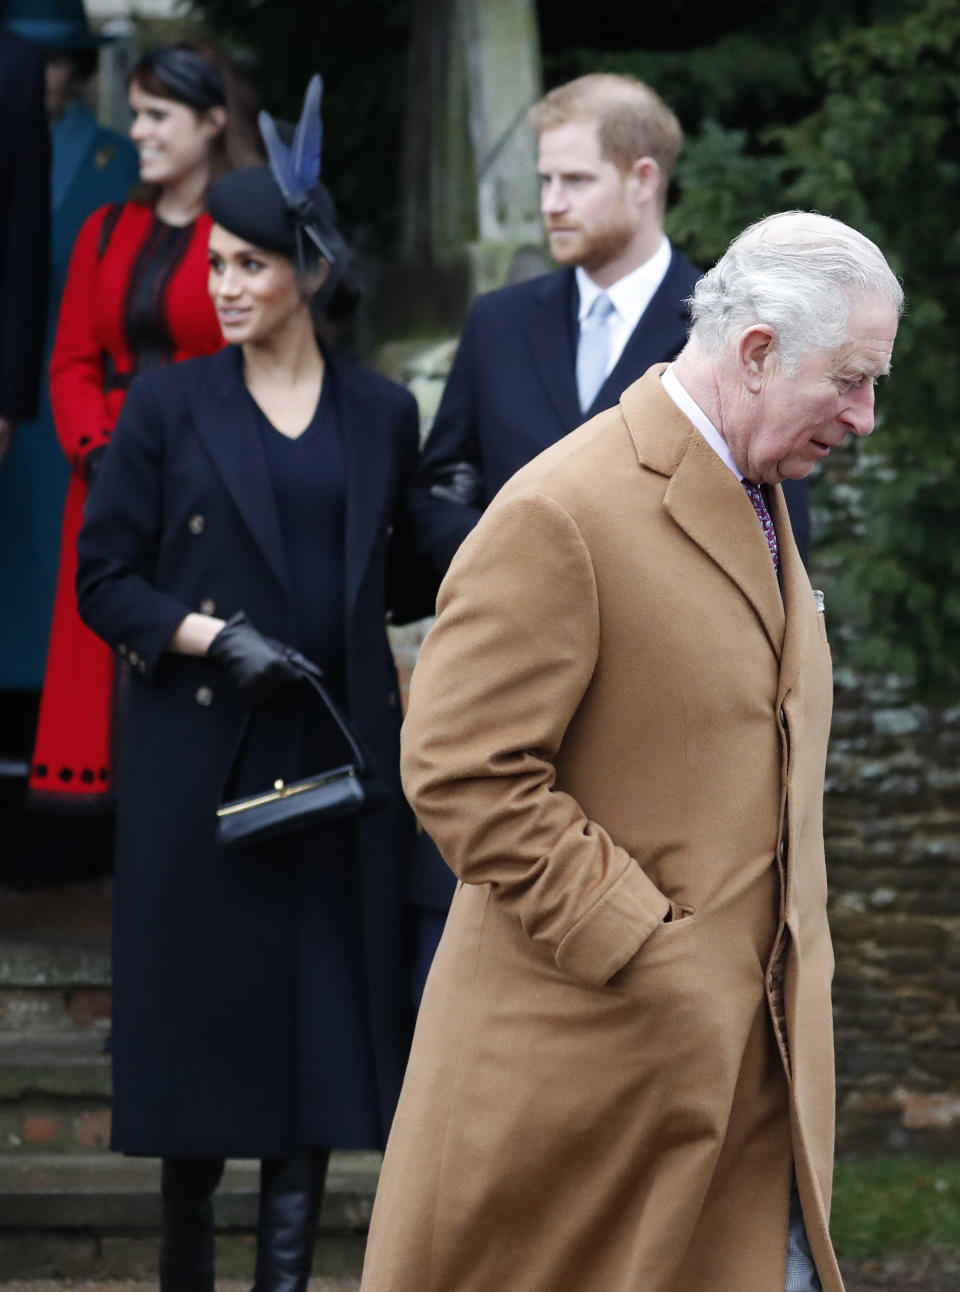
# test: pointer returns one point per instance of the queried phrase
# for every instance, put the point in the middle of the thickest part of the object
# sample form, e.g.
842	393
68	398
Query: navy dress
334	1101
260	997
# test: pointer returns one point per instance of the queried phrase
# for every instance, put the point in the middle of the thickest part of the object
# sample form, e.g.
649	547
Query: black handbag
340	791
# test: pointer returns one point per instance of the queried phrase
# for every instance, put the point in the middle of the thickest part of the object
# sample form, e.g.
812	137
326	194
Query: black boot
291	1189
186	1251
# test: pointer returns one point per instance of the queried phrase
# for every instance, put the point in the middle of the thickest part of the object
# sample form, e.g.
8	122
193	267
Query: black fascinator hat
283	206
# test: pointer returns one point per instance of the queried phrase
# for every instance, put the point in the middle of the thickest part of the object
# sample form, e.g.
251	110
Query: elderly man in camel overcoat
622	1078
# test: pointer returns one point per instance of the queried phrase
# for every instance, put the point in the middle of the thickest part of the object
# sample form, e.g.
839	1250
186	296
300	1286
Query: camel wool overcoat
618	714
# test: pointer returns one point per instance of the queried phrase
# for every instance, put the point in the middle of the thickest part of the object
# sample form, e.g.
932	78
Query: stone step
63	1191
54	981
54	1092
98	1215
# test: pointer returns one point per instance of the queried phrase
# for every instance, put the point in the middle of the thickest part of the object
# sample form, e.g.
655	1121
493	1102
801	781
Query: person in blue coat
249	505
91	166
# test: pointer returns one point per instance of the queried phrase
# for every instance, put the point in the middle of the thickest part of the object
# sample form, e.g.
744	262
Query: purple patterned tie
755	494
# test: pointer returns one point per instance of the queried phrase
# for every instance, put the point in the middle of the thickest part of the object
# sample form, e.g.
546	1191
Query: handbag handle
361	761
359	757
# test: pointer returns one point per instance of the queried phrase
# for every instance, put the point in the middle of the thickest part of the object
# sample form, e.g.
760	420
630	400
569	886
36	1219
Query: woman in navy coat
248	499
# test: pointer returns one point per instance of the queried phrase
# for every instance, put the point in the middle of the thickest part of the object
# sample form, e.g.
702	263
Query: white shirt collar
631	294
694	413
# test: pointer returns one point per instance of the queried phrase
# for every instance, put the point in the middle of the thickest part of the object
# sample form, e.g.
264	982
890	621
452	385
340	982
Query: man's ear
756	355
647	178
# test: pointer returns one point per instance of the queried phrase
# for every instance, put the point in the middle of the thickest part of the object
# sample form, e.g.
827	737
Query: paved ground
922	1274
130	1285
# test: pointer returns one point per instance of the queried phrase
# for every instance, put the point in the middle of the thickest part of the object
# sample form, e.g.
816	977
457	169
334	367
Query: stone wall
892	817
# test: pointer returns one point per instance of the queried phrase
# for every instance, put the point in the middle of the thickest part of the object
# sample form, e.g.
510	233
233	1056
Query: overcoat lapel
705	499
367	448
226	422
550	343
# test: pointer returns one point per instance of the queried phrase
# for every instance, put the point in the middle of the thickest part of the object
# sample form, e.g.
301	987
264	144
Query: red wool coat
135	299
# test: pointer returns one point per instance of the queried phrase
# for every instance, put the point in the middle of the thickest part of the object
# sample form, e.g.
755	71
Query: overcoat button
389	531
134	658
142	666
196	524
203	695
207	607
121	649
392	699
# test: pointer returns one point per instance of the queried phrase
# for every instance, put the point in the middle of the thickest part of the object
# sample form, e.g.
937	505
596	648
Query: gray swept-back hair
798	272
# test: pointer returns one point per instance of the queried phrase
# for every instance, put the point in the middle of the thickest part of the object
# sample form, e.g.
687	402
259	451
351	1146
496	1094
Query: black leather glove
257	665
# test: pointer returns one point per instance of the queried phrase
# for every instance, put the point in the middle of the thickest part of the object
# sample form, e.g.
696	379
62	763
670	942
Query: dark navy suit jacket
511	393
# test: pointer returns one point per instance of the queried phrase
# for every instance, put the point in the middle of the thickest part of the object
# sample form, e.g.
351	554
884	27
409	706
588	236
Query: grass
895	1206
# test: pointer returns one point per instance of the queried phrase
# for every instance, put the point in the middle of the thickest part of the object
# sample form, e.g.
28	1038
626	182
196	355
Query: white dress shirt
694	413
630	296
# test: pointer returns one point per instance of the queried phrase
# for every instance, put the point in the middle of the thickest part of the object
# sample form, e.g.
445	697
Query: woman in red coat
135	299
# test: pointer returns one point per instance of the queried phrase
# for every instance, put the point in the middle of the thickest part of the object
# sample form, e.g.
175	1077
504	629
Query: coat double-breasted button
203	695
122	649
207	606
134	658
196	524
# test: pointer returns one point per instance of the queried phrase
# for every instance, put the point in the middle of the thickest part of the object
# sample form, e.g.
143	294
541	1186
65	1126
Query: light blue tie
593	349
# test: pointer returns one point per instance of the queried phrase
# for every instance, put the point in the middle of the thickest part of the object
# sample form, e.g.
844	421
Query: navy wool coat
222	961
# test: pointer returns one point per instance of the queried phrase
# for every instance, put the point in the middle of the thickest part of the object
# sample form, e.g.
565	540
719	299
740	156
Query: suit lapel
550	343
659	335
367	448
705	499
226	423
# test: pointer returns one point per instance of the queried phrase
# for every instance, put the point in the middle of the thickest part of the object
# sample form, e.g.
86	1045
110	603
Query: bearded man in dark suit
538	358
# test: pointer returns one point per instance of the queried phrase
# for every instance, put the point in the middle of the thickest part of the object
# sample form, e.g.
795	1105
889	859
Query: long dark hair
202	76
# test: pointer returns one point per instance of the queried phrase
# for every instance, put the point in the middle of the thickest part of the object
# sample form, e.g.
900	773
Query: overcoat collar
708	503
227	423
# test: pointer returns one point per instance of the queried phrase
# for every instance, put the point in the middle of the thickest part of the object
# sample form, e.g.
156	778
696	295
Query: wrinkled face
254	292
797	420
588	203
173	141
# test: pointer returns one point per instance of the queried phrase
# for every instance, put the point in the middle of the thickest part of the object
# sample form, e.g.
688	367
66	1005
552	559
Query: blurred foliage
360	48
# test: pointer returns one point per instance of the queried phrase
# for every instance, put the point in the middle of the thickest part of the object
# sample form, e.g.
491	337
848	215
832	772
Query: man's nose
859	412
553	197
